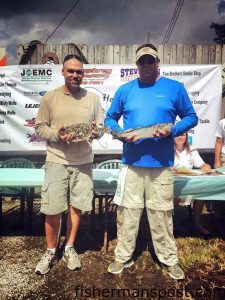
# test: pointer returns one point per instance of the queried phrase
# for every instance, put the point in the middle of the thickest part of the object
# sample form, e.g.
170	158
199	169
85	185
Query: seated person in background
187	156
220	145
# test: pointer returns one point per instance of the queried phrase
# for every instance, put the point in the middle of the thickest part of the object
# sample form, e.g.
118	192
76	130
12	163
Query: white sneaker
117	267
175	272
71	258
47	261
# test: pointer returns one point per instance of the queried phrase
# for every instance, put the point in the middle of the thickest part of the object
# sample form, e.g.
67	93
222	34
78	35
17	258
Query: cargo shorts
149	187
66	185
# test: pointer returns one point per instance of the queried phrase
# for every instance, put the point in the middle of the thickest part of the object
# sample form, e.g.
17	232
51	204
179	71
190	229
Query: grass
193	251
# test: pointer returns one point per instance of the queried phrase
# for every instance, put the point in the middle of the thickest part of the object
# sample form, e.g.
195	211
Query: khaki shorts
66	185
150	187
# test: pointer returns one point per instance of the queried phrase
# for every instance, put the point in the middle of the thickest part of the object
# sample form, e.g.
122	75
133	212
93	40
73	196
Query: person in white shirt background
188	156
219	206
220	145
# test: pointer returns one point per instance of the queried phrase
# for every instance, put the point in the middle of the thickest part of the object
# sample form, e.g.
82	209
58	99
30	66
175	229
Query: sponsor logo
31	94
30	122
38	75
42	93
127	74
36	72
96	76
33	138
34	93
32	105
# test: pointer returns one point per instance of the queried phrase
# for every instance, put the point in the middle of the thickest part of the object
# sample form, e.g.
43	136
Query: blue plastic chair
109	164
25	194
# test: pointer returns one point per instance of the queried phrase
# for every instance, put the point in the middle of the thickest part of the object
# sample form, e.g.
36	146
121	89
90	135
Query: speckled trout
144	132
84	131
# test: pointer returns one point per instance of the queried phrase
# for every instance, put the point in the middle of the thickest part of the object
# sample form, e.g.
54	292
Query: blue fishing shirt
143	105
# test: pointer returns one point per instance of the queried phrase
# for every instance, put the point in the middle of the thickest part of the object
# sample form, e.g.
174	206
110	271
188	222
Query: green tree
220	33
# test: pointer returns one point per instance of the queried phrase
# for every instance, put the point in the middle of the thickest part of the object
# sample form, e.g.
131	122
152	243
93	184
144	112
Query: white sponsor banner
22	87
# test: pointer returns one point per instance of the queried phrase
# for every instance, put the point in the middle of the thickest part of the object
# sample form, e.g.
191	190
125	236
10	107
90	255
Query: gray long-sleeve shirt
59	108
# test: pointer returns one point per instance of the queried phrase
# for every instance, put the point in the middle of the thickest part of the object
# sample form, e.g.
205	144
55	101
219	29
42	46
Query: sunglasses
146	59
72	71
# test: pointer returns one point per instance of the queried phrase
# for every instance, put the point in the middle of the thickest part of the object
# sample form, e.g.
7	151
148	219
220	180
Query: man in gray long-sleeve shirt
68	170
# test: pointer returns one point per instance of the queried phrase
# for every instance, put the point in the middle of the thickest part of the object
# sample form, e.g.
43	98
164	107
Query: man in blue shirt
151	99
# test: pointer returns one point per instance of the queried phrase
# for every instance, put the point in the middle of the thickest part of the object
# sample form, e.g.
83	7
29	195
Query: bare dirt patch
202	260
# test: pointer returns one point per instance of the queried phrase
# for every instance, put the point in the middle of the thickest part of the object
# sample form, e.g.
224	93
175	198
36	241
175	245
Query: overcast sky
105	22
